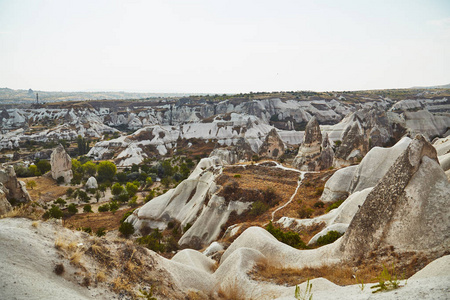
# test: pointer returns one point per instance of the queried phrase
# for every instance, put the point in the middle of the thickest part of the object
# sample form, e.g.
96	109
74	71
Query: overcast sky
223	46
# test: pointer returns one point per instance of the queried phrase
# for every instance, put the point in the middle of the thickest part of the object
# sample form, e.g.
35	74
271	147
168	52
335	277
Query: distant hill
445	86
26	96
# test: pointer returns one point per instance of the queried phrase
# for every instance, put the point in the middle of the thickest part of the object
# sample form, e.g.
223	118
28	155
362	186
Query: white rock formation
11	187
91	183
61	164
338	186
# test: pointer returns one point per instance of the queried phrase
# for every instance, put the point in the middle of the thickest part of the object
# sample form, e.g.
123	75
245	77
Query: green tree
106	171
43	166
31	184
117	189
126	229
90	168
54	212
33	169
72	209
87	208
131	189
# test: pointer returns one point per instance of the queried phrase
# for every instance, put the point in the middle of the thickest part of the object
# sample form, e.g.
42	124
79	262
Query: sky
226	46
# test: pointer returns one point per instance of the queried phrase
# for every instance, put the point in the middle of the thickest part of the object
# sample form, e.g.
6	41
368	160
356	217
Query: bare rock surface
61	164
338	186
13	188
91	183
273	146
315	153
406	209
5	206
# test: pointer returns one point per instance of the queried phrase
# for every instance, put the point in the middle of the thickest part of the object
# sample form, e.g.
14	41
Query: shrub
290	238
328	238
126	229
125	216
258	208
31	184
60	201
305	212
53	212
152	241
335	205
87	229
58	269
69	192
103	208
113	206
72	209
101	231
133	202
60	180
319	204
319	191
237	176
87	208
132	188
116	189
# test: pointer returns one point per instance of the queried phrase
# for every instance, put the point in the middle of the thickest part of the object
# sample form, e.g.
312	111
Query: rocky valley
284	195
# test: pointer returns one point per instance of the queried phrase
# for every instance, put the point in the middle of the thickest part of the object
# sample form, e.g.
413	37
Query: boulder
314	153
91	183
407	210
61	164
13	188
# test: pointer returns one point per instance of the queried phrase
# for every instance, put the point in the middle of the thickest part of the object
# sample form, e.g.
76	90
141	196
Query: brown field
46	188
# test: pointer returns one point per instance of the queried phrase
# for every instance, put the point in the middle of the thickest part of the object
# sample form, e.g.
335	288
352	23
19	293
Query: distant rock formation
61	164
408	208
354	145
91	183
11	187
273	146
230	155
315	153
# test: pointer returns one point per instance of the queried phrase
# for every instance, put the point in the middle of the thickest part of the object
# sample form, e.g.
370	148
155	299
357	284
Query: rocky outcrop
5	206
91	183
61	164
408	208
273	146
314	153
13	188
230	155
338	186
353	147
194	201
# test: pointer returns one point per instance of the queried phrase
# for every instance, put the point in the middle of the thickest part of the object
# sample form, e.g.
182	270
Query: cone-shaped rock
408	208
61	164
272	146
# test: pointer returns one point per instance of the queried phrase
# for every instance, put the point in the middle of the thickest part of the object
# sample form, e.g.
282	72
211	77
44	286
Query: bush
335	205
132	188
305	212
319	204
60	180
117	189
113	206
328	238
72	209
60	201
133	202
237	176
59	269
153	241
125	216
101	231
69	192
87	229
319	191
103	208
290	238
258	208
126	229
53	212
87	208
31	184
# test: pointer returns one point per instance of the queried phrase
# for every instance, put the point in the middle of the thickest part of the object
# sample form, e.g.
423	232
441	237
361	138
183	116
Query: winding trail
302	176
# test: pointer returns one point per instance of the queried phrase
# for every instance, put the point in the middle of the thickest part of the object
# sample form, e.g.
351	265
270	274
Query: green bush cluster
335	205
329	238
290	238
126	229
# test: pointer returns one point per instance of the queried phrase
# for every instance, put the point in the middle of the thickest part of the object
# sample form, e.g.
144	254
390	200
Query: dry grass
29	210
75	258
230	290
101	276
60	243
46	189
35	224
346	273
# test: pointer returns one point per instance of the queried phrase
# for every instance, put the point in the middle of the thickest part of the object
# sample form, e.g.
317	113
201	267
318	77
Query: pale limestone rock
5	206
12	187
61	164
316	152
408	208
91	183
338	186
273	146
